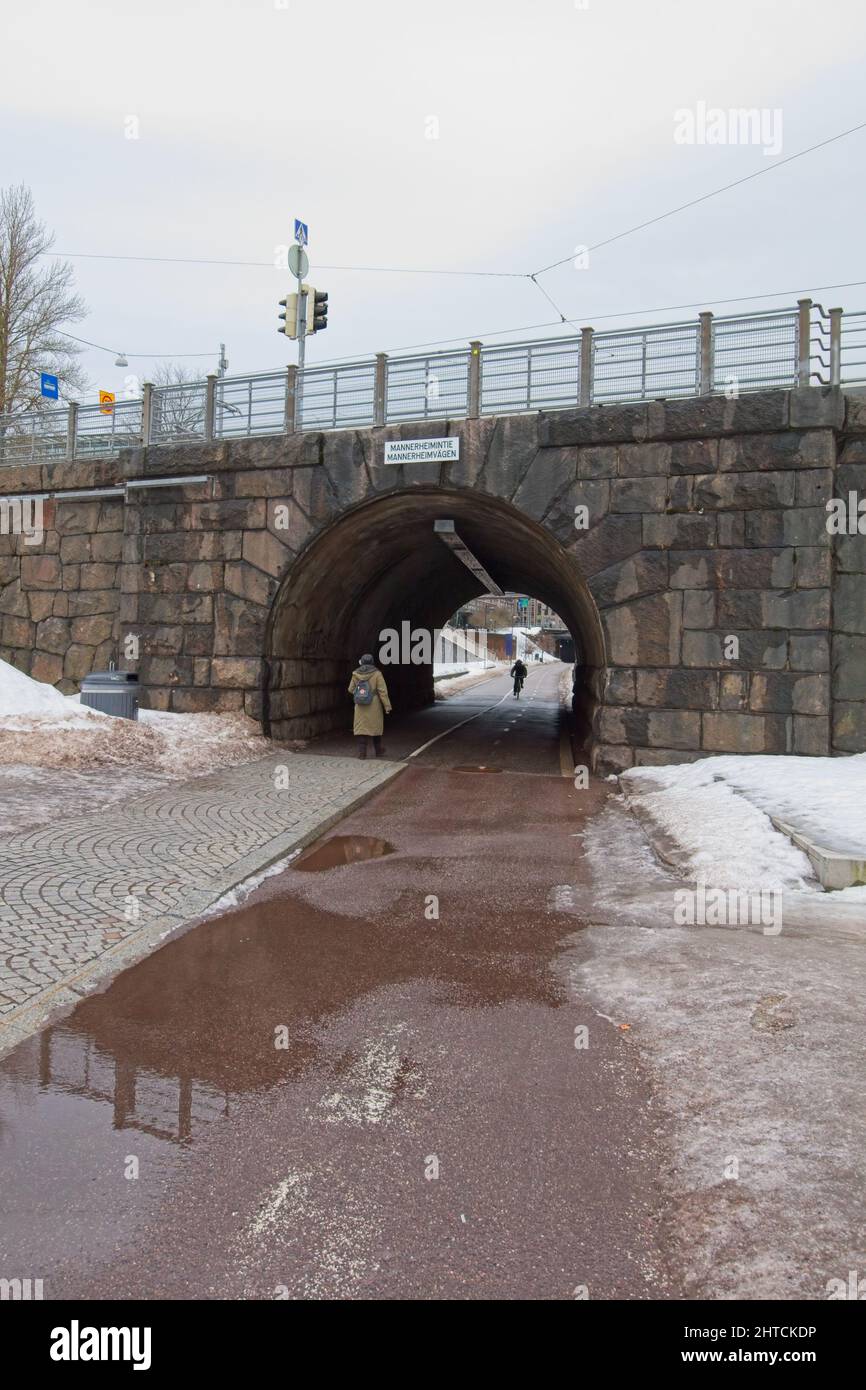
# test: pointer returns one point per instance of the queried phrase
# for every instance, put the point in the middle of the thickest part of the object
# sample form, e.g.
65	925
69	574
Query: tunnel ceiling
382	564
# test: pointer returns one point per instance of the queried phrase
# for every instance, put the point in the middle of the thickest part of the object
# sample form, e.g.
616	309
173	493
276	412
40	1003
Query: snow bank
20	694
717	814
39	727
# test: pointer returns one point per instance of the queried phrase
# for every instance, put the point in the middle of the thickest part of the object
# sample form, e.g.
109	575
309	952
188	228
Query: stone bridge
257	588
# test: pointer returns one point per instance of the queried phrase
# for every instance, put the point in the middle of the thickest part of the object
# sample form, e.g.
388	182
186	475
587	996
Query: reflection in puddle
343	849
467	767
156	1103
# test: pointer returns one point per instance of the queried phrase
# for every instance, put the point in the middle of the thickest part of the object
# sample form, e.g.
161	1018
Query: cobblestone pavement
83	899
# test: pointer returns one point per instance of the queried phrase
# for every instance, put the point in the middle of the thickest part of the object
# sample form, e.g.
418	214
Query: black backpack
363	692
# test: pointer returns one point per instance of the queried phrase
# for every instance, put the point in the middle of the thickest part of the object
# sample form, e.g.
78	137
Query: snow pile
20	694
39	727
716	814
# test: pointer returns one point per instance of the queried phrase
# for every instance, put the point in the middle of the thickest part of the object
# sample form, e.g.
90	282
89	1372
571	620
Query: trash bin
111	692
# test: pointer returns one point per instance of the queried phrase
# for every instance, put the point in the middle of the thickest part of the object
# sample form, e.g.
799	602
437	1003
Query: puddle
466	767
343	849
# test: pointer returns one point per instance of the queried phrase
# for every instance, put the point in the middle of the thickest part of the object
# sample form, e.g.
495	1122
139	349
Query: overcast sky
555	128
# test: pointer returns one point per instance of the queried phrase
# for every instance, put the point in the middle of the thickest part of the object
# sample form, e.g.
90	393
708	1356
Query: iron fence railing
100	430
777	348
333	398
852	349
250	405
529	376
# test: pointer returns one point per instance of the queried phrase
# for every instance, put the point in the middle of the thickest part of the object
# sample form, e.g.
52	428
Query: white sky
556	129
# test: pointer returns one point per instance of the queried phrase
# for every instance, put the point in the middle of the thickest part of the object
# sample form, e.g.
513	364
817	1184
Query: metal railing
777	348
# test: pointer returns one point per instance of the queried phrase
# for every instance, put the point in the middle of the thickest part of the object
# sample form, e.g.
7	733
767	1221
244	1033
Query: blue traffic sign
50	386
302	232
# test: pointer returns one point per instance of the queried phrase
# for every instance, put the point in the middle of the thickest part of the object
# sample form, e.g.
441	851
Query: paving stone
175	850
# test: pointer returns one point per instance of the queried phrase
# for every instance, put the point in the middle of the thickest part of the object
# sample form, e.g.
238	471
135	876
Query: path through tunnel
381	565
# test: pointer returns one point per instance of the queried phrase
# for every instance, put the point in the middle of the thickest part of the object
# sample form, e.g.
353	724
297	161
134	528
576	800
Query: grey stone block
619	686
638	494
645	631
814	487
811	736
809	653
812	407
849	667
813	568
696	690
745	491
732	528
758	651
694	456
805	608
680	530
644	573
644	460
610	758
851	553
776	452
595	424
662	757
741	608
849	603
693	569
734	690
612	539
849	727
744	733
699	608
597	462
674	728
783	692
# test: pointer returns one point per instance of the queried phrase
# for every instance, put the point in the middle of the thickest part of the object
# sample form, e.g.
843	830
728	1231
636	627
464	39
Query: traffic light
289	306
317	309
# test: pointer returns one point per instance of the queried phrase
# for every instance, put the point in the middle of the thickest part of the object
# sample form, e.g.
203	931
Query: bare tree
34	301
178	410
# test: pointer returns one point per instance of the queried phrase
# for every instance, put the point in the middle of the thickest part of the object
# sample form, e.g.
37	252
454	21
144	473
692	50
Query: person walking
370	694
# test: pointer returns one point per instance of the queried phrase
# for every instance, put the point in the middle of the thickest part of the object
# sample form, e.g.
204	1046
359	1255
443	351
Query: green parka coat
369	719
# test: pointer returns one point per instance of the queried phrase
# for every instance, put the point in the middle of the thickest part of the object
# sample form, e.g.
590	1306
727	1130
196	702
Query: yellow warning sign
106	402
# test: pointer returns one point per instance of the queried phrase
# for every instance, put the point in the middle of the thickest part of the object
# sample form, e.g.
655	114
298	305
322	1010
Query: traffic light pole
301	331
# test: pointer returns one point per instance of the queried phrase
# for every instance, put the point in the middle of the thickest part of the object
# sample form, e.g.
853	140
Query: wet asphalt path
364	1083
484	724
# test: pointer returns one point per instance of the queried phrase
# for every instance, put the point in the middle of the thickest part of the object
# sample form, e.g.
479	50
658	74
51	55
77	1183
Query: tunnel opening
382	566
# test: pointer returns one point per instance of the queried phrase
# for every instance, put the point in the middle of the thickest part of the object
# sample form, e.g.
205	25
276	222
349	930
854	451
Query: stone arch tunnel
706	520
381	565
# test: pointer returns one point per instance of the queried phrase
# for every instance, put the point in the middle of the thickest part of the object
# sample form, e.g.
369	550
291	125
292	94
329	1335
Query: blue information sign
50	386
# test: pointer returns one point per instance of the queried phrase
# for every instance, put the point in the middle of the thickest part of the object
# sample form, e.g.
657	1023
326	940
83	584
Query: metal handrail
767	349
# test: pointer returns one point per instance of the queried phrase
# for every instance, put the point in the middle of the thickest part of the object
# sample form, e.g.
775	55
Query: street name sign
50	386
422	450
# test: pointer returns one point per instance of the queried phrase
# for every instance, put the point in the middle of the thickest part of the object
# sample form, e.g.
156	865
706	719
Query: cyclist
519	672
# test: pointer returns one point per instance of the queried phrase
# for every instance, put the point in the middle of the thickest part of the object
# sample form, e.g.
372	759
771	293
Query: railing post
289	423
209	406
804	341
380	389
705	371
473	384
146	412
71	428
835	347
585	396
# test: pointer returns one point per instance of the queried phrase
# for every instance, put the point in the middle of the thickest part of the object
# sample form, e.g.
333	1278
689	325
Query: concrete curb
57	1001
833	871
